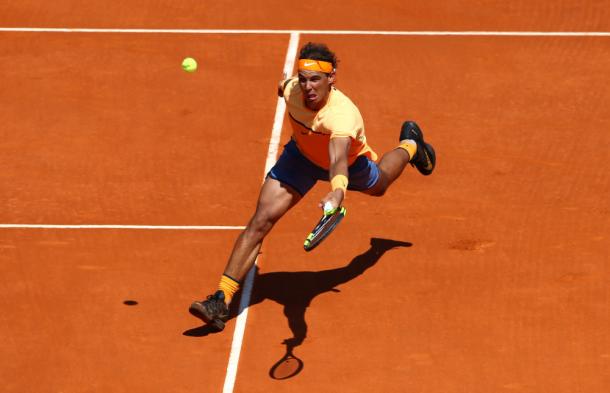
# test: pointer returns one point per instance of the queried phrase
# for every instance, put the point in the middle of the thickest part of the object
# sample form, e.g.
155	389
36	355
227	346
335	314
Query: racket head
325	226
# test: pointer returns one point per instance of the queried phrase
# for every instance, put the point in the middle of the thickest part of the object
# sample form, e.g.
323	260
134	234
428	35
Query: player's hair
318	51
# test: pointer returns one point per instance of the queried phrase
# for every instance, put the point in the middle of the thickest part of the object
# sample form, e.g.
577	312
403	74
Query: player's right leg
286	183
274	201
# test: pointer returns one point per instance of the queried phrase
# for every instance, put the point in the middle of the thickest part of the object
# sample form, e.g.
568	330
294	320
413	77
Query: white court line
161	227
317	32
240	324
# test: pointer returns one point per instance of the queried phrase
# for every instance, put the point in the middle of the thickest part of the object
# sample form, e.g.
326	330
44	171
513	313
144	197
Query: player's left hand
335	198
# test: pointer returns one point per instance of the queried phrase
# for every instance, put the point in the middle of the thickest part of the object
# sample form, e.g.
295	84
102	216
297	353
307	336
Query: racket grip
328	208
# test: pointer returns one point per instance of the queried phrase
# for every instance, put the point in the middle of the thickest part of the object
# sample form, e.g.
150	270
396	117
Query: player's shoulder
342	114
341	104
340	101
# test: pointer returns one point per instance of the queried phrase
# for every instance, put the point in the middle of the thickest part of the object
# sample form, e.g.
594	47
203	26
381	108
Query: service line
144	227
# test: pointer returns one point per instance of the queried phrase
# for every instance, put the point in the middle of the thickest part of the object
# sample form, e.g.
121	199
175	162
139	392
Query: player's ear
332	77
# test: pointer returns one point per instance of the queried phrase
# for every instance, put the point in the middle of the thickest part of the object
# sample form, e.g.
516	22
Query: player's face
316	87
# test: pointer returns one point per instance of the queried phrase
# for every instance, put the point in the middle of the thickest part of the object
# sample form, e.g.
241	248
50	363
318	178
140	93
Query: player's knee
261	223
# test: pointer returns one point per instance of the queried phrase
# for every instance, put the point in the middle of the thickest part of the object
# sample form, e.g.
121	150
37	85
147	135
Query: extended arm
338	149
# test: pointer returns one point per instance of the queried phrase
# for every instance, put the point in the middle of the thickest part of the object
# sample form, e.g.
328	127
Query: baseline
320	32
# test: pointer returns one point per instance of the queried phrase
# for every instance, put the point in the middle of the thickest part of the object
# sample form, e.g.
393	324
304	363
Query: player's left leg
390	166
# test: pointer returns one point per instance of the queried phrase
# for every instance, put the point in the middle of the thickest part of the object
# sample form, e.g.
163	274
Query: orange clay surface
498	279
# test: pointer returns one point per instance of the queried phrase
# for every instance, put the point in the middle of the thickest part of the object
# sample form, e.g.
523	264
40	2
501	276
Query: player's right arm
338	149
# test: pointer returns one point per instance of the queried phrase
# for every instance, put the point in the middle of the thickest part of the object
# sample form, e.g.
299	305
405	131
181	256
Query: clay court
124	182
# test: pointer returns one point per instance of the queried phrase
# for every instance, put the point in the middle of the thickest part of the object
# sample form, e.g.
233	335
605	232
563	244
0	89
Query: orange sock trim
229	286
410	146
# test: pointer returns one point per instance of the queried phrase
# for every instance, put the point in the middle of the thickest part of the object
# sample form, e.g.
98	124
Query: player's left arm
338	149
281	86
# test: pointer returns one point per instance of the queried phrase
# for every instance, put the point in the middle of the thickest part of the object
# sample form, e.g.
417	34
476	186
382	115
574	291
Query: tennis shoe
425	158
213	310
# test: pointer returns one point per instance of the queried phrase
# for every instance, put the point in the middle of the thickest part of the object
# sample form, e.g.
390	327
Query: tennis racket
328	222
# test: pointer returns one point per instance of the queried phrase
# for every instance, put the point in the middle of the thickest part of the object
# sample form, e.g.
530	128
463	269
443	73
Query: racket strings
327	223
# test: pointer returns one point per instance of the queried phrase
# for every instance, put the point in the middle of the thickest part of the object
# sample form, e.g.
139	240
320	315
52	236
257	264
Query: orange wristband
339	181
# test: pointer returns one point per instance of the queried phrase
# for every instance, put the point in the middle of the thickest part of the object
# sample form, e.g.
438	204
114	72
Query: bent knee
261	223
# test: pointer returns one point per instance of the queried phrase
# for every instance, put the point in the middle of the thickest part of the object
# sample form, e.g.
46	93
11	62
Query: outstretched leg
274	201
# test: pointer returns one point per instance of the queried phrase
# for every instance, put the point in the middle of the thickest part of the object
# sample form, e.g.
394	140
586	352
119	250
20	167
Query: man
328	143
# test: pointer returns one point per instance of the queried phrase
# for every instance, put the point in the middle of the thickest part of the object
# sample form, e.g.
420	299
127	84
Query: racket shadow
296	290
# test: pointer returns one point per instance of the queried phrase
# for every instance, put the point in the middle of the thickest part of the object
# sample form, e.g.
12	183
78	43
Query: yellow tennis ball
189	64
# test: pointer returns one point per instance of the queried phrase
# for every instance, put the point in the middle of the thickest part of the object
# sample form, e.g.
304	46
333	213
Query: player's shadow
295	292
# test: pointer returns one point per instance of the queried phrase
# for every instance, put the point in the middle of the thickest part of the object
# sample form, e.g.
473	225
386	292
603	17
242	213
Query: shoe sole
197	310
432	156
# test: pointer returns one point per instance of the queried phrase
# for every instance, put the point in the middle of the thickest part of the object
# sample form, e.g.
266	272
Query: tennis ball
189	64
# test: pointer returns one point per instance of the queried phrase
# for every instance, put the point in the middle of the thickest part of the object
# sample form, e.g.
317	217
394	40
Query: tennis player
328	143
